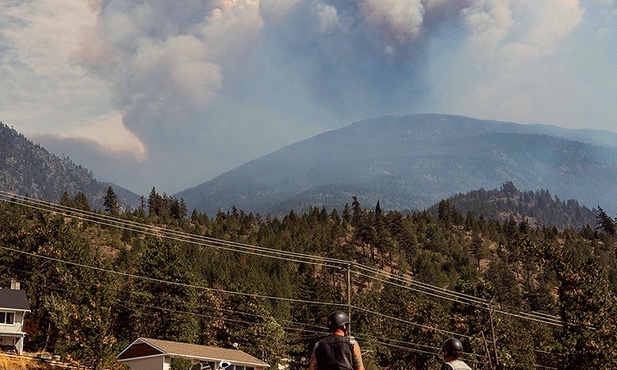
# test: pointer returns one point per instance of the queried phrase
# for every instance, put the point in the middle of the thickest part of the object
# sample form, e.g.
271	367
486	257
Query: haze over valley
172	94
406	163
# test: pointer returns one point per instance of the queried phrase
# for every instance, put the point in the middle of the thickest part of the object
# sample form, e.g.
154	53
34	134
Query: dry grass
21	363
8	362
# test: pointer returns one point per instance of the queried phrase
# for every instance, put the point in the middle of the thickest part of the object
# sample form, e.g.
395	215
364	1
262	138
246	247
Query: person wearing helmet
452	351
337	351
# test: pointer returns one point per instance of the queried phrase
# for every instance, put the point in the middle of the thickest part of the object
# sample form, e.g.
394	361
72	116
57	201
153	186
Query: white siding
18	324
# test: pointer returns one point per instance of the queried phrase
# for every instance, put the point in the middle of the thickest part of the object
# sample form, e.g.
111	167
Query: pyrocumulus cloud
189	89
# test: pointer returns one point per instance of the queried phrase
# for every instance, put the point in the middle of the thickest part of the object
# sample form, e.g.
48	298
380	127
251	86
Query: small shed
156	354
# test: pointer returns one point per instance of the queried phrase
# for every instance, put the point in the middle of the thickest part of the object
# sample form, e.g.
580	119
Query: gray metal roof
12	299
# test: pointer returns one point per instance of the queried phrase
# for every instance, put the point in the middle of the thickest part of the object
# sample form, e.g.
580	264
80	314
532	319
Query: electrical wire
419	287
414	285
383	341
449	333
134	276
107	220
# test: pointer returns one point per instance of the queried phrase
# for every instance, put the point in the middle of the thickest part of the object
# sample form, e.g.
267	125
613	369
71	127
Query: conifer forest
518	294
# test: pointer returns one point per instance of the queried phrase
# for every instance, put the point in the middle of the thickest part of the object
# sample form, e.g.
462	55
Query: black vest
335	353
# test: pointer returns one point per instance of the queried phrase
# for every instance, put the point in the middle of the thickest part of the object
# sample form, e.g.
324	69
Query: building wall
13	333
18	322
150	363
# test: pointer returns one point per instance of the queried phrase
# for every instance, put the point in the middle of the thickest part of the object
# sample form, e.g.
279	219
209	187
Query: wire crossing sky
173	93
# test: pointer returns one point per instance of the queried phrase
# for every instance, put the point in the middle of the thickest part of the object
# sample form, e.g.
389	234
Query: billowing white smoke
166	60
228	67
398	21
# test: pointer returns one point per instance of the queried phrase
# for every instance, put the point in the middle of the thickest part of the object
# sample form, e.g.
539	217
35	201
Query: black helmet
453	347
337	319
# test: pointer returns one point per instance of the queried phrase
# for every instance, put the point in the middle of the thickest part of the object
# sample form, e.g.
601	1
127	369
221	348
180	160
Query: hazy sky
173	93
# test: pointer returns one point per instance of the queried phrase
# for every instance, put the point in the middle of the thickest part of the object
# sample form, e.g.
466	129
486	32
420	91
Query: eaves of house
148	347
14	300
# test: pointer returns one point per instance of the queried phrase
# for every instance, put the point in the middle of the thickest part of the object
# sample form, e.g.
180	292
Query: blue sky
173	93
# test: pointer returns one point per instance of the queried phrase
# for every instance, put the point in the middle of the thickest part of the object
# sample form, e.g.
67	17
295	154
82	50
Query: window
7	318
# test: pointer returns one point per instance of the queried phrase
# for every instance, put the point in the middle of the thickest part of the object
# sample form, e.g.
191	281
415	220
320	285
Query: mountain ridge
29	169
412	162
405	162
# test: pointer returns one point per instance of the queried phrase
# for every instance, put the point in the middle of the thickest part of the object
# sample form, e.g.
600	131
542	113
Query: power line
480	303
380	340
417	286
185	285
107	220
408	322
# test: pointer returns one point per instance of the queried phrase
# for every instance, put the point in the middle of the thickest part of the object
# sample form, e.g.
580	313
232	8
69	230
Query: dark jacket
335	353
455	365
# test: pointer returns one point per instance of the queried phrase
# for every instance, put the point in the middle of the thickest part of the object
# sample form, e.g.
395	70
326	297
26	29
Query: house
155	354
13	307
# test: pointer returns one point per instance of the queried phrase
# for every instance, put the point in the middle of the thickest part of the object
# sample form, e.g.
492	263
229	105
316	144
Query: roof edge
138	358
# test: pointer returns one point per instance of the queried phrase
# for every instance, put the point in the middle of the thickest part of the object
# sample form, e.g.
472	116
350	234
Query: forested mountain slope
538	209
519	297
412	162
28	169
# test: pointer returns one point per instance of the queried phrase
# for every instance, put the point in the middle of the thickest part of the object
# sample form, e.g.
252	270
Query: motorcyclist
452	349
337	351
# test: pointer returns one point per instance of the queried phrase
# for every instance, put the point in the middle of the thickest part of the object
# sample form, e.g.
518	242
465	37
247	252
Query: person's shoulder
319	341
446	367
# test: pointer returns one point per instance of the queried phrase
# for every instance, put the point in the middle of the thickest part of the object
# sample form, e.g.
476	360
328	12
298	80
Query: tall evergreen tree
81	202
357	211
163	295
347	213
154	203
588	310
66	200
111	202
606	223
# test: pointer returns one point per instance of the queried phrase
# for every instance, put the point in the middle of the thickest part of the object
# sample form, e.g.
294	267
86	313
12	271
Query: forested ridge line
95	286
539	208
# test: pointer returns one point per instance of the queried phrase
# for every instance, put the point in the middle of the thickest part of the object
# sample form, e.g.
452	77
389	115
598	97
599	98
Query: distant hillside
538	208
28	169
412	162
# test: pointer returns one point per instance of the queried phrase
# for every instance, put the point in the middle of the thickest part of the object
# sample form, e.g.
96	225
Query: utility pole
349	296
490	313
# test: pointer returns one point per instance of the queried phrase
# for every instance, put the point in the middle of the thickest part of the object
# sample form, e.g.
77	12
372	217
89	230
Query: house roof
143	347
13	299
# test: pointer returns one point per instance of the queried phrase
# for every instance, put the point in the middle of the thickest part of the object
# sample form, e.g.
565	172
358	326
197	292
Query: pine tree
65	200
446	212
606	223
111	202
347	213
81	202
154	203
357	212
588	310
156	298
